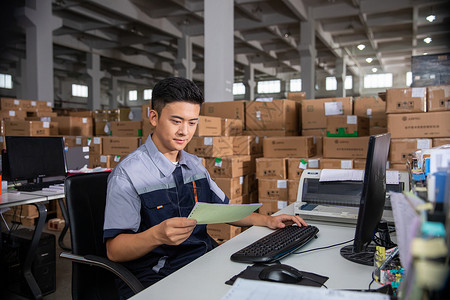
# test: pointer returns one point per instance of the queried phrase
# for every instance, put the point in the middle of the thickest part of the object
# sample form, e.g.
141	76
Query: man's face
175	126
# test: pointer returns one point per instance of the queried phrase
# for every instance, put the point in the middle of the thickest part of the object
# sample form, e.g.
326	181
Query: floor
63	274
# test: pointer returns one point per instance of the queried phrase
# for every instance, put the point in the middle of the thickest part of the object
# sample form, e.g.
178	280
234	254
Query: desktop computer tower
13	253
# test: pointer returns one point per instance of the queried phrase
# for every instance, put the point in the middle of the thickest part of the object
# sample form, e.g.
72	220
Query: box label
418	92
423	143
333	108
281	184
208	141
352	119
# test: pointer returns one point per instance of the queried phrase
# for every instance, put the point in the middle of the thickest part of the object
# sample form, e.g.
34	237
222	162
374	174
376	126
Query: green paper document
211	213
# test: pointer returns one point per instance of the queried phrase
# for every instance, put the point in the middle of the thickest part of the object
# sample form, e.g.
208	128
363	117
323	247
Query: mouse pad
252	272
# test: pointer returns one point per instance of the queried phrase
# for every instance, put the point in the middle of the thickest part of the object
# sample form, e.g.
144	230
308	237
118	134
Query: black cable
321	284
325	247
373	279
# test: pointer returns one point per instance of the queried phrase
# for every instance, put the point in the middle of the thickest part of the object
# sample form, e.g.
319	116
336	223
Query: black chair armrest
116	268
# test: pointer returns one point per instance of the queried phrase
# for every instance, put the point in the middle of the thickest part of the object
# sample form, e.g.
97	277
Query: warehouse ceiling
139	38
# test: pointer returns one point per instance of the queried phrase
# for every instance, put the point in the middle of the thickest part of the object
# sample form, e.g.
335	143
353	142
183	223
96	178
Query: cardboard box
209	126
402	149
14	115
104	161
292	190
438	98
276	115
247	145
10	104
419	125
126	128
216	146
120	145
232	127
238	200
318	141
377	130
26	128
147	128
232	187
23	210
82	126
25	221
347	126
297	96
406	100
227	167
359	163
398	167
271	206
56	224
76	141
289	146
265	133
345	147
227	109
275	189
121	114
441	141
102	128
295	166
373	108
314	111
332	163
83	114
95	145
271	168
223	231
314	132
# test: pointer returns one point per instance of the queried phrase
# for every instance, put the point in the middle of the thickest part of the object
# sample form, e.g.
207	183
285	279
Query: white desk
14	198
205	277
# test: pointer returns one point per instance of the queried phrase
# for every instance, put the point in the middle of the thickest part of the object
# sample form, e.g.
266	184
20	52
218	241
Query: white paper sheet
341	175
244	289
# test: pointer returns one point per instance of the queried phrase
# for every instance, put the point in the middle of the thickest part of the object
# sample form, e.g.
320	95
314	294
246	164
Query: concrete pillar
184	63
114	92
358	85
249	82
37	19
95	75
219	50
307	50
340	76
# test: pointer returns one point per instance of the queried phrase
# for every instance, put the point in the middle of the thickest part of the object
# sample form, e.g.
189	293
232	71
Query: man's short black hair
175	89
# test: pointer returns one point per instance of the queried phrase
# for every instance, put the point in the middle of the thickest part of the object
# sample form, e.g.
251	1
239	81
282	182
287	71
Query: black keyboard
32	187
276	245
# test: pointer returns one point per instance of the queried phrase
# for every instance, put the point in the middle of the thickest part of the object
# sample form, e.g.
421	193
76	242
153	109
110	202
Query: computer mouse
281	273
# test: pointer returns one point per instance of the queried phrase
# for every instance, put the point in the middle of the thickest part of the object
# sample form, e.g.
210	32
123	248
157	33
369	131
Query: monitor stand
364	257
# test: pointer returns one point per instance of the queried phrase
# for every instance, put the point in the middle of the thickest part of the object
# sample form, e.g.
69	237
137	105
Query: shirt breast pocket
157	208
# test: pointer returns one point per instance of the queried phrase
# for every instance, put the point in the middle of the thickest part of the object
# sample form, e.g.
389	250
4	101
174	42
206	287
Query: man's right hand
174	231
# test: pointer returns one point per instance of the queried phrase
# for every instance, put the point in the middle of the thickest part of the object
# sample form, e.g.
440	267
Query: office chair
93	274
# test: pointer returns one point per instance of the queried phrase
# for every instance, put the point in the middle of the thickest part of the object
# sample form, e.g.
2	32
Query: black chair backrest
85	200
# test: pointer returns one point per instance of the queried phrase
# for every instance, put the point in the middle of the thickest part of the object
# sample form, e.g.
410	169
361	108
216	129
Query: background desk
13	198
205	277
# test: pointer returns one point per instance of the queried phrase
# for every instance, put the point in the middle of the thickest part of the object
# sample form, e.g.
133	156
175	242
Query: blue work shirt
146	189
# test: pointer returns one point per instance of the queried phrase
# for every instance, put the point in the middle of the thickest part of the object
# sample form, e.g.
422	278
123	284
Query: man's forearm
253	219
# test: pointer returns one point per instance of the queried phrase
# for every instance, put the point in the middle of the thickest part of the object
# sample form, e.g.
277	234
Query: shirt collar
164	165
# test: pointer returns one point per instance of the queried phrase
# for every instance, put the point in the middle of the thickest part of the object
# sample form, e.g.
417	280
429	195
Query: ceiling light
287	34
431	18
427	40
374	70
369	59
425	53
361	47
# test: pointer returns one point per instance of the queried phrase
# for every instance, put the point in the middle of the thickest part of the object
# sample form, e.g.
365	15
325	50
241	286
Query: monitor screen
372	202
32	158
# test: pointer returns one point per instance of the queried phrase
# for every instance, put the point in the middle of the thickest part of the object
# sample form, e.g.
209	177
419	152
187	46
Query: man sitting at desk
152	191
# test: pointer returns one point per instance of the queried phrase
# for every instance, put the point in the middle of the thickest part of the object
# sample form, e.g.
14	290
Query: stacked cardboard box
107	152
416	117
228	157
103	117
373	108
280	169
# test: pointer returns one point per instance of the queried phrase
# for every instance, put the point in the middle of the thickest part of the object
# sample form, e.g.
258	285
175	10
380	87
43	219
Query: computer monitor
372	201
34	158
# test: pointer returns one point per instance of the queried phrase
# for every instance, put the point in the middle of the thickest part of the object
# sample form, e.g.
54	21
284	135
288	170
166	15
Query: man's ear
153	117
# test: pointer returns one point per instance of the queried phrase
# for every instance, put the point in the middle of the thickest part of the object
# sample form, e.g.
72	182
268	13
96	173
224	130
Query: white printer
336	196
